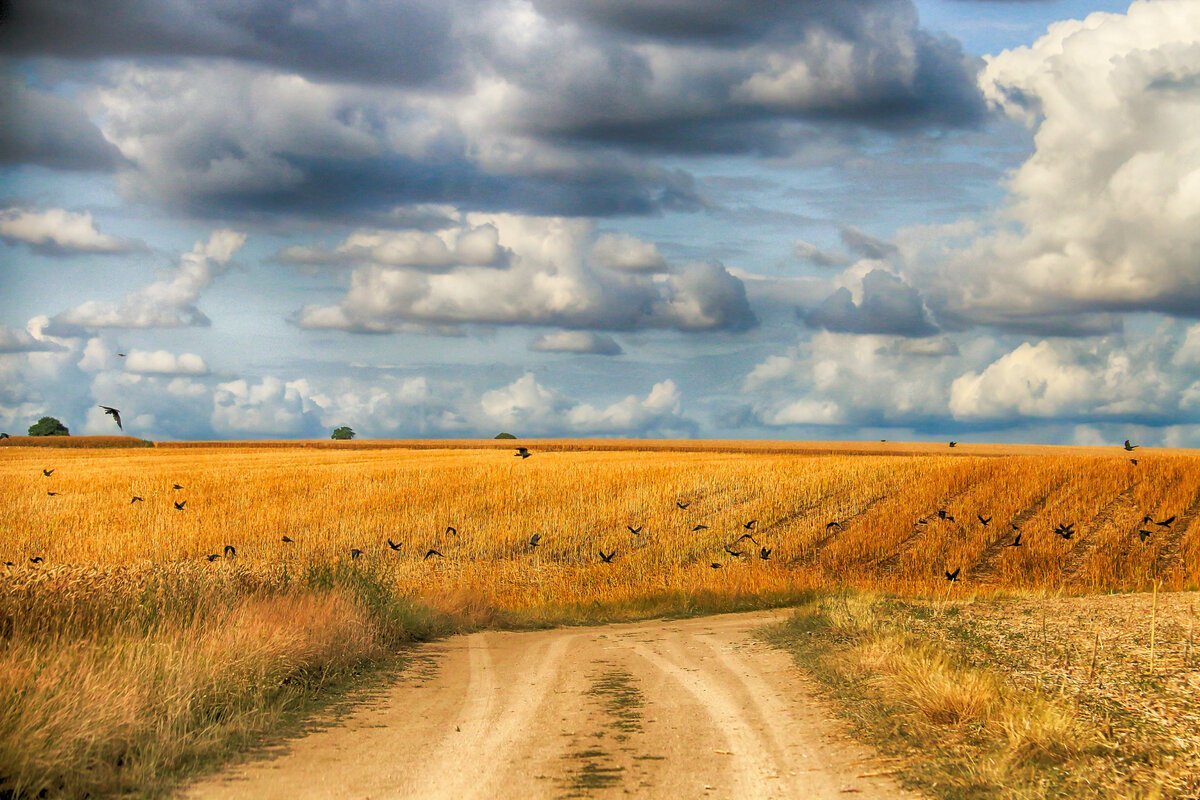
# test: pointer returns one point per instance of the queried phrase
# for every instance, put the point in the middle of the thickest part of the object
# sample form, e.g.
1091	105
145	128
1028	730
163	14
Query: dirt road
693	708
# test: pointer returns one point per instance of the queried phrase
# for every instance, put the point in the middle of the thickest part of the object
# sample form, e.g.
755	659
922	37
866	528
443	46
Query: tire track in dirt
1086	540
1168	553
985	568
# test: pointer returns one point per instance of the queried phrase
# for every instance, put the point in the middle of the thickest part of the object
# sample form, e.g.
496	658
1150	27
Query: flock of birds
1064	530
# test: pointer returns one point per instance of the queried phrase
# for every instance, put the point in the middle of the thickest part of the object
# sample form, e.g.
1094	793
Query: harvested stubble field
129	658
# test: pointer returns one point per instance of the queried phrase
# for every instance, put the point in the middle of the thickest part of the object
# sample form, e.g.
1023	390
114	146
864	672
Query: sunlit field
139	644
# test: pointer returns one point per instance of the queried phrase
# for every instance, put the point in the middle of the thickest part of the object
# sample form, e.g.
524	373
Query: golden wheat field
129	658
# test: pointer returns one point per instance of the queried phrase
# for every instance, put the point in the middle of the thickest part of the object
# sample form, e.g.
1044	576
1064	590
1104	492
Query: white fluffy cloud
550	281
13	340
584	342
268	407
434	251
620	251
166	303
162	362
58	231
1105	214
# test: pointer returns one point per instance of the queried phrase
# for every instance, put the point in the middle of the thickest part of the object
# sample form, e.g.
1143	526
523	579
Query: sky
904	219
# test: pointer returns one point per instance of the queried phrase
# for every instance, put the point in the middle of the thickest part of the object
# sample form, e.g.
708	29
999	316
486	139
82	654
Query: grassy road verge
1013	698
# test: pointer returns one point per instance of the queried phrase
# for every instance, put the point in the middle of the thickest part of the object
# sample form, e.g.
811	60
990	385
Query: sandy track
694	708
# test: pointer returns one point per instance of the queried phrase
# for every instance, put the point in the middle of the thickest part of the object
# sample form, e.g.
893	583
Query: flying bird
136	499
954	444
922	521
121	355
985	520
180	504
681	504
715	565
764	553
1015	542
230	551
47	473
453	531
1143	534
607	558
394	545
432	552
1165	523
734	553
943	514
522	452
1131	447
700	528
744	537
287	539
1065	531
355	553
212	557
953	576
115	414
52	494
1133	461
176	486
633	530
36	560
535	540
834	524
749	525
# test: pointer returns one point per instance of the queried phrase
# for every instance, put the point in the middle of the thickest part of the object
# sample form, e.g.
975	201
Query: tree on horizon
48	426
344	432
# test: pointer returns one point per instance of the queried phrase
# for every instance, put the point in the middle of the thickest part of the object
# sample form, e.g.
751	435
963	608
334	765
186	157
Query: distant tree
505	436
48	426
344	432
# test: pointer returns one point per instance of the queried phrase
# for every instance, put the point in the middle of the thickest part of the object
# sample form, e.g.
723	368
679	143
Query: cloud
549	281
268	407
1104	216
626	253
435	252
888	306
162	362
50	130
576	342
166	303
532	409
57	231
807	251
13	340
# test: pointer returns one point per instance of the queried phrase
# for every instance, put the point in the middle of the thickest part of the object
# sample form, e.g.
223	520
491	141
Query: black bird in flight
985	520
1015	542
607	557
734	553
355	553
1133	461
522	452
700	528
535	540
1131	447
834	524
36	560
394	545
9	564
764	553
1065	531
943	514
453	531
715	565
115	414
176	487
922	521
749	525
1165	523
953	576
633	530
212	557
681	504
121	355
230	551
47	473
287	539
744	537
180	504
954	444
1143	534
432	552
52	494
136	499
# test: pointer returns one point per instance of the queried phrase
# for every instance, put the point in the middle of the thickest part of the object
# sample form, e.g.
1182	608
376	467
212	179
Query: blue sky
873	219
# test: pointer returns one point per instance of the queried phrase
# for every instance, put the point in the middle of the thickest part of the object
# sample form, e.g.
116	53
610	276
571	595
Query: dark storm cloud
889	306
371	41
50	131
